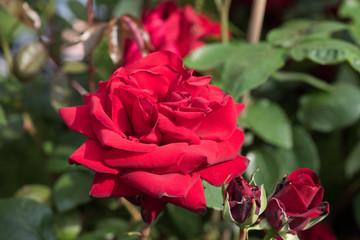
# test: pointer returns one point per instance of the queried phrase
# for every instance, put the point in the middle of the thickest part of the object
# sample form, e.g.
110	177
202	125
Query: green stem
7	52
223	8
242	234
303	77
91	69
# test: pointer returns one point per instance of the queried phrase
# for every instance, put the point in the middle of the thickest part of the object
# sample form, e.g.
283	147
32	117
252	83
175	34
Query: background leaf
250	66
213	196
72	189
268	121
25	219
325	112
209	56
297	30
327	51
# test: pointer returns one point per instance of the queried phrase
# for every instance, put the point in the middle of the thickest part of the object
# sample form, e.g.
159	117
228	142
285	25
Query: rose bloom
155	132
175	29
297	200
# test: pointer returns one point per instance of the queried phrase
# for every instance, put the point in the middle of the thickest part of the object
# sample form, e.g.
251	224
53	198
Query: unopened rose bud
243	202
297	202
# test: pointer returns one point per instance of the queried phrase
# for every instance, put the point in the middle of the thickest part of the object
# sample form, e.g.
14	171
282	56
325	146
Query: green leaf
37	192
327	51
213	196
263	158
71	190
29	60
250	66
306	153
180	217
269	122
25	219
352	164
295	31
209	56
68	226
326	112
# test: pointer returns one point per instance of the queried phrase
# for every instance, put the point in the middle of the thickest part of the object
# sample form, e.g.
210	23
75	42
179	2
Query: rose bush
175	29
155	132
297	202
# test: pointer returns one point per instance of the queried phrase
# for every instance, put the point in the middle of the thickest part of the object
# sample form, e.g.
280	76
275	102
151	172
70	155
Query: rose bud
243	202
296	203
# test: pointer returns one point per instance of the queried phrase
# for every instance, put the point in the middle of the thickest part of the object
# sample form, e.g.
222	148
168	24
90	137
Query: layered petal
109	185
194	200
77	119
160	157
91	155
159	185
217	174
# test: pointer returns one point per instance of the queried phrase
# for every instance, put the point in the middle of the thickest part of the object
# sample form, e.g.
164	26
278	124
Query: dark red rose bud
296	203
243	202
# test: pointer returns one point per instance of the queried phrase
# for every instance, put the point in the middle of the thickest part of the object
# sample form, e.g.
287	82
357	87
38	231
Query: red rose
175	29
297	202
155	132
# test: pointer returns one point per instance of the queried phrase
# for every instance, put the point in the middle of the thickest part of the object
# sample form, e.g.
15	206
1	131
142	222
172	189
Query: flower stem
144	232
242	234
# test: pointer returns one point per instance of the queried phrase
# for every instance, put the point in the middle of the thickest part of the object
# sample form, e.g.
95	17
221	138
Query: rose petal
275	214
305	175
162	156
77	119
219	124
292	199
109	185
151	208
194	200
173	133
112	139
157	186
91	155
142	120
161	58
217	174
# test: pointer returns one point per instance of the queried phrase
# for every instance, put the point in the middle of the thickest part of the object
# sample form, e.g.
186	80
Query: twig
253	36
134	212
91	70
256	20
144	231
